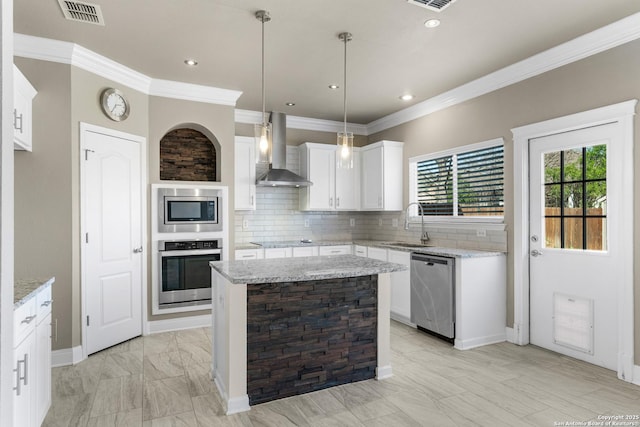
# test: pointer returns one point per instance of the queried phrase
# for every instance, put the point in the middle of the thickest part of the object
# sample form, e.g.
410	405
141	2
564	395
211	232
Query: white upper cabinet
245	173
23	94
333	188
381	165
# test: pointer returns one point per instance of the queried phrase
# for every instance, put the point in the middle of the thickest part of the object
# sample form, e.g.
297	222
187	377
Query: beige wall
601	80
298	136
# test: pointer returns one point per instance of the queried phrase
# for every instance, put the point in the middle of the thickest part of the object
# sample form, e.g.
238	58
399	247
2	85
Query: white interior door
575	243
112	210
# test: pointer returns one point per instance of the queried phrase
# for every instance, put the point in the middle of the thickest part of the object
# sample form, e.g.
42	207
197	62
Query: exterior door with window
575	243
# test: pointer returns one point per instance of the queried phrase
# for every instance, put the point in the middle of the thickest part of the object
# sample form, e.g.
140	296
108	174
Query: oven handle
190	252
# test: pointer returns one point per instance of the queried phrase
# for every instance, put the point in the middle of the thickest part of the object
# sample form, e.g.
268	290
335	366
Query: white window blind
466	183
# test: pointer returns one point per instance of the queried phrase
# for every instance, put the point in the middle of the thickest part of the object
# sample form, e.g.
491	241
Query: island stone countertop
279	270
25	289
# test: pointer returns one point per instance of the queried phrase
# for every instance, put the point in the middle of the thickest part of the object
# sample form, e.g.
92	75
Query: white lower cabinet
300	251
242	254
360	250
400	287
277	253
32	360
377	253
335	250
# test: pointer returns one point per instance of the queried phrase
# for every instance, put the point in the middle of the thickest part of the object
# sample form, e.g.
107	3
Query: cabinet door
245	174
321	171
372	179
377	253
42	369
347	184
24	382
400	287
277	253
23	94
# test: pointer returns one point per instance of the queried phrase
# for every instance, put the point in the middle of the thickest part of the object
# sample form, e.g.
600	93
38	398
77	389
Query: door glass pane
596	198
552	167
596	162
573	165
573	233
552	199
573	198
597	234
552	233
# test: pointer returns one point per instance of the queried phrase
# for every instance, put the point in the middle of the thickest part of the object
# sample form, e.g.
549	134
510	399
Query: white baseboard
66	356
234	405
478	342
178	324
383	372
402	319
511	335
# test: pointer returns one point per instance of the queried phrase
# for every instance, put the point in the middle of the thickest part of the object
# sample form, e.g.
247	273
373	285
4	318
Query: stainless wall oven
184	272
189	210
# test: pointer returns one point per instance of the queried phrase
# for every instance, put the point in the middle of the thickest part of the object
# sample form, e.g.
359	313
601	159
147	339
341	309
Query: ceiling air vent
435	5
82	12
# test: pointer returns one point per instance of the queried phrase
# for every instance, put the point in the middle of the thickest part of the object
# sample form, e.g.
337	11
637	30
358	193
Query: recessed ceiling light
407	97
191	62
431	23
333	86
290	104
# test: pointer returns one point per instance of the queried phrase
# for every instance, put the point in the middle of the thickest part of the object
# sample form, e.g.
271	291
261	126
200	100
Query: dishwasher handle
430	260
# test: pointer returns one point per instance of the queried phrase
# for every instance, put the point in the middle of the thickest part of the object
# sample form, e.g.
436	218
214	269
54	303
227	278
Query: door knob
137	250
535	253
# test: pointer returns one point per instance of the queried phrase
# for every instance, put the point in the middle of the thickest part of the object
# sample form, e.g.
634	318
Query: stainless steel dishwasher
432	294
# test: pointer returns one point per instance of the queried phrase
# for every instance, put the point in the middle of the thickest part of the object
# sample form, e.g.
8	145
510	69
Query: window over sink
465	184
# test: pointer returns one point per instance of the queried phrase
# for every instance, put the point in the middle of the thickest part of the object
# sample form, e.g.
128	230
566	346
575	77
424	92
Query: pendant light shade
262	130
344	155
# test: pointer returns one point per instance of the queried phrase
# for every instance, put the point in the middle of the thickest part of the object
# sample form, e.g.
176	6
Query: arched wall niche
190	152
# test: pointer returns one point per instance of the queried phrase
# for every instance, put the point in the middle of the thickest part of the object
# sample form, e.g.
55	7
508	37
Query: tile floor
163	380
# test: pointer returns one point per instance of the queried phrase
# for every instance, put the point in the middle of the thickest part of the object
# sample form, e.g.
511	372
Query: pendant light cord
264	119
346	39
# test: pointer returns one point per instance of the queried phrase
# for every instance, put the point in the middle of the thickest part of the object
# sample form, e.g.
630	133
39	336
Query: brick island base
273	340
306	336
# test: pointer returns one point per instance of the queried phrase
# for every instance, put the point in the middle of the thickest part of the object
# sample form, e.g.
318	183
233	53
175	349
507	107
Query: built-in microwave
189	210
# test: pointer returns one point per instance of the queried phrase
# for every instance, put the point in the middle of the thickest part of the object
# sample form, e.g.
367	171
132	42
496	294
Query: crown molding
607	37
304	123
73	54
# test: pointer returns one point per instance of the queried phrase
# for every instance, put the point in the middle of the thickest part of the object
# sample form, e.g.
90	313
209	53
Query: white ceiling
392	53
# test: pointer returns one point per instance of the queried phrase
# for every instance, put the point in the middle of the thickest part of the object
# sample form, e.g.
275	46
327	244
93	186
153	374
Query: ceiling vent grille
435	5
82	12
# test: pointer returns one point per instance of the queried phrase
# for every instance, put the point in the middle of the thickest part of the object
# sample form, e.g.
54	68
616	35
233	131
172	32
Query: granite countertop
25	289
301	269
429	250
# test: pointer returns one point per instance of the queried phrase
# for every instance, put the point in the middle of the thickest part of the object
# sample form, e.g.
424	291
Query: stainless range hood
278	175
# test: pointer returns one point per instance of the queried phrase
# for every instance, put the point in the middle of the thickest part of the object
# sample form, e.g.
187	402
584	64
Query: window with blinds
466	183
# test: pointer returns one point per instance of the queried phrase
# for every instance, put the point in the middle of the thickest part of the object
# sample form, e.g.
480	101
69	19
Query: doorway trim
622	115
84	129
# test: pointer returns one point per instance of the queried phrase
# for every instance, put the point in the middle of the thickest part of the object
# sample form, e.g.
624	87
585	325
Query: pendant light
344	155
262	131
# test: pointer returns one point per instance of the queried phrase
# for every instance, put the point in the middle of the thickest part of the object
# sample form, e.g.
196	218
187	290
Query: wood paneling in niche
187	155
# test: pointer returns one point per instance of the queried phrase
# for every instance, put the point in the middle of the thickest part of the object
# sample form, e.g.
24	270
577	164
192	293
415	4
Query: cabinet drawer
360	251
43	303
305	251
335	250
24	320
242	254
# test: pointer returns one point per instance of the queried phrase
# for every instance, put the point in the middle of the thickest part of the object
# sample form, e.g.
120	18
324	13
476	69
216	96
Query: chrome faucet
424	236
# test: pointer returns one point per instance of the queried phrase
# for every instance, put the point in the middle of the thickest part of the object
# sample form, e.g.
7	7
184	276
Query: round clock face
114	104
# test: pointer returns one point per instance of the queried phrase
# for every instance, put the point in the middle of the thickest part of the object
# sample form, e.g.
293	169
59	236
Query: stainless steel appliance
184	277
189	210
432	294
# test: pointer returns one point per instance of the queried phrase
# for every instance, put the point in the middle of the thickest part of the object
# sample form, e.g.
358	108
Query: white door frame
84	129
622	115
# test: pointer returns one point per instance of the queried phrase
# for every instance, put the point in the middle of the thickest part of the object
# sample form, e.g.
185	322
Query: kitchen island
283	327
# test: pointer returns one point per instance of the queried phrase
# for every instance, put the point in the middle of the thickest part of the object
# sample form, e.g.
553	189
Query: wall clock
114	104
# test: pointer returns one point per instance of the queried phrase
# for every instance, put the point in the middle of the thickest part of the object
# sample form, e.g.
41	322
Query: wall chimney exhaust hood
278	175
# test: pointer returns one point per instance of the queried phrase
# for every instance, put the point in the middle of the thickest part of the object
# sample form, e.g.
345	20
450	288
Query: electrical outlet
306	223
352	222
481	233
395	222
245	224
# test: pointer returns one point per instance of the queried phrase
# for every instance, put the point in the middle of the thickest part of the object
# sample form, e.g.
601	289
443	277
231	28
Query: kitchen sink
407	245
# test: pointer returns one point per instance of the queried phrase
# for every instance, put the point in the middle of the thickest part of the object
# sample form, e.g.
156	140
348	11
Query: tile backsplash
278	218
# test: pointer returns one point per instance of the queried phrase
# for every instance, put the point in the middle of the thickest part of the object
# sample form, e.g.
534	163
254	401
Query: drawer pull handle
28	319
46	303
